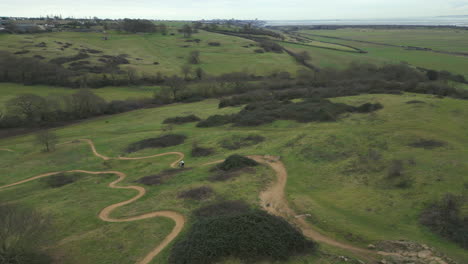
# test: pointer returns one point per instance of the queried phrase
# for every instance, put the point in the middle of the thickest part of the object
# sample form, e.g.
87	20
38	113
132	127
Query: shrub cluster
235	162
159	142
28	110
198	151
396	175
199	193
62	179
22	234
181	119
215	120
225	208
250	237
427	144
158	179
237	142
307	111
445	218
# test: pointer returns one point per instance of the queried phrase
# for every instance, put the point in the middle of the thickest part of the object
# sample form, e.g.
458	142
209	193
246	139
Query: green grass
10	90
327	175
145	49
438	39
378	54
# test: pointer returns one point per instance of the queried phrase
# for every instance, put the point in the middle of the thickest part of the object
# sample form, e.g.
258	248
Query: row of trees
139	26
30	110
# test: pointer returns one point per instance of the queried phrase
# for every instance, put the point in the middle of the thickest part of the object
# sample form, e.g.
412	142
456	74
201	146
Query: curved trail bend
272	200
104	215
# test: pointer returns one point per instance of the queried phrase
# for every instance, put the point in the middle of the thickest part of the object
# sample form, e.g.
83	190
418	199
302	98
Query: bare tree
29	106
186	70
47	140
176	85
163	29
187	30
194	57
199	73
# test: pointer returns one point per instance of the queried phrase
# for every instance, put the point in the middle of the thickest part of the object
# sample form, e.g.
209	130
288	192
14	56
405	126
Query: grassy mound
159	142
235	161
250	236
181	119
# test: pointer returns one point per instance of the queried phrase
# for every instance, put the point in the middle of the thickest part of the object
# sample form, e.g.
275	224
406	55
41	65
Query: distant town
95	24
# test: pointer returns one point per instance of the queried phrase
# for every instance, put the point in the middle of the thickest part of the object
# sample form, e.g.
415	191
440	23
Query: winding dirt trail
5	149
104	215
272	200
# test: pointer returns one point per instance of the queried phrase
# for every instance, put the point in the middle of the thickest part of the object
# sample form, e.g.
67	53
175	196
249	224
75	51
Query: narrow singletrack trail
272	200
5	149
104	215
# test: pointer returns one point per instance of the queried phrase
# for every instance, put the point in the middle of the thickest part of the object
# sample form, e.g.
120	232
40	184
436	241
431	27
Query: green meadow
378	54
331	176
170	52
439	39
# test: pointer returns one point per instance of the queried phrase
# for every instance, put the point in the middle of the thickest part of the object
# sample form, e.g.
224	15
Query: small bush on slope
181	119
159	142
250	236
236	162
445	218
237	142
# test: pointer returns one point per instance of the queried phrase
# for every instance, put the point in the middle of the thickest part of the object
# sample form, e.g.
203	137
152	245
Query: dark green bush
428	144
237	142
199	193
251	236
236	162
223	208
159	142
198	151
62	179
445	218
181	119
160	178
216	120
23	232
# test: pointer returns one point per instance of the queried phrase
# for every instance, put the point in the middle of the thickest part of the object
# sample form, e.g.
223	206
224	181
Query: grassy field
10	90
143	50
327	165
378	54
439	39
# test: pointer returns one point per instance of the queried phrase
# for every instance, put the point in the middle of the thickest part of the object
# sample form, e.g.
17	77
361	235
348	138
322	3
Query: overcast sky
240	9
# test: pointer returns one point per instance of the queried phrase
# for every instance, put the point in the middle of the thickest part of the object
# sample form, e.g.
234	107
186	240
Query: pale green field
10	90
329	178
438	39
378	54
171	52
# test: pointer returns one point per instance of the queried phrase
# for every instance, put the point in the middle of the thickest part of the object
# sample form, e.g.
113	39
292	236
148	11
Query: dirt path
104	215
5	149
272	200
